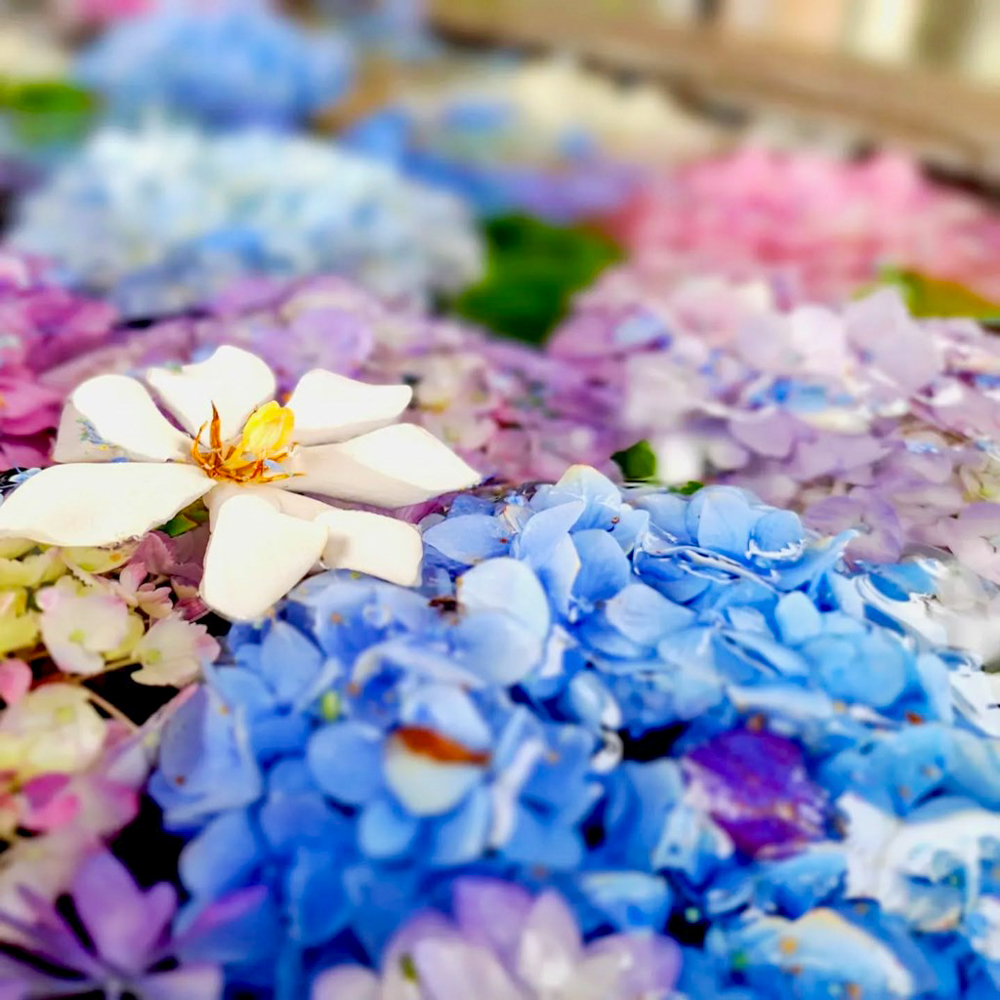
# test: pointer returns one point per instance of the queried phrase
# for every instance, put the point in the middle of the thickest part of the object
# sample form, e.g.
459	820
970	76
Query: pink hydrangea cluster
819	228
42	327
858	417
94	13
511	411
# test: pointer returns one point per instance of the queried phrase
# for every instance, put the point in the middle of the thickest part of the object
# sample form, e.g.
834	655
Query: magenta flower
29	413
43	326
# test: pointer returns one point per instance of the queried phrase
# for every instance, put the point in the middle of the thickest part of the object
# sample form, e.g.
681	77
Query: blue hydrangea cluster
464	147
162	219
397	26
221	64
682	712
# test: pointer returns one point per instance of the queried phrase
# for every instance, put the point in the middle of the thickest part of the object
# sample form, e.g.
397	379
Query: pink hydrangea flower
29	413
44	326
816	227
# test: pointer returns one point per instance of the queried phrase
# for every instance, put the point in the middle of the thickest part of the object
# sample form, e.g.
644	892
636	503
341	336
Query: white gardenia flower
126	470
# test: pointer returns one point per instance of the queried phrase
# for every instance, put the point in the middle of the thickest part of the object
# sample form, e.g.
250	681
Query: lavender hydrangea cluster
223	64
859	417
680	713
509	410
162	219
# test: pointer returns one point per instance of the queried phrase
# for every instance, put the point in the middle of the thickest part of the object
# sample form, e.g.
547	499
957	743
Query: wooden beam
943	118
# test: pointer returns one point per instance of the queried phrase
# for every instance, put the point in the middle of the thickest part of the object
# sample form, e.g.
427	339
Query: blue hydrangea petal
725	522
601	497
496	647
841	667
386	831
462	837
224	856
644	615
668	513
345	759
797	617
778	533
244	924
604	568
509	586
672	579
795	885
206	763
317	904
288	661
625	900
632	525
535	841
469	538
558	575
278	734
537	541
589	700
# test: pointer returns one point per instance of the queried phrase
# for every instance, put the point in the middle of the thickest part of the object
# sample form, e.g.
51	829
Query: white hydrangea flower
125	469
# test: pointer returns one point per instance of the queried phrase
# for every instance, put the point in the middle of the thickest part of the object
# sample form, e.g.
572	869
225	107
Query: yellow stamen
266	438
268	431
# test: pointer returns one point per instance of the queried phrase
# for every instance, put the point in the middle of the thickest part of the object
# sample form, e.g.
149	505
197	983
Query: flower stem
115	713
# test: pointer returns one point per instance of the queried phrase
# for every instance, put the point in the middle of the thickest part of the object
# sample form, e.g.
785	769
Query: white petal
366	543
374	544
391	467
255	556
236	381
99	504
224	491
330	407
113	416
426	787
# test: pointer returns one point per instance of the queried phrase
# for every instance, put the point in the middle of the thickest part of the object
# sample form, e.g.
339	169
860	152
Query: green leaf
927	296
689	488
638	463
533	270
187	520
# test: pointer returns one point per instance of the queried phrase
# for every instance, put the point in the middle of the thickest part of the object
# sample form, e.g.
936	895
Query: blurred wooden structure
948	120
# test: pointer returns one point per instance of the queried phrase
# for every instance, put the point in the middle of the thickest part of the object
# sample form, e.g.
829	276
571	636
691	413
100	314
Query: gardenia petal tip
256	554
83	505
232	380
